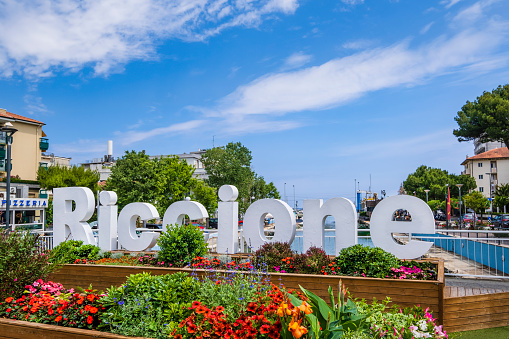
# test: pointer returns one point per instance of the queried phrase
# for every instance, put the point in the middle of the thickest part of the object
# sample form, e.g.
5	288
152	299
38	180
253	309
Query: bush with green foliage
312	261
149	306
270	255
69	251
359	260
22	262
180	244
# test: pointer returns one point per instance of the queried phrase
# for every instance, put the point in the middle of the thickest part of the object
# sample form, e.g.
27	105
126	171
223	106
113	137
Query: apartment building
489	169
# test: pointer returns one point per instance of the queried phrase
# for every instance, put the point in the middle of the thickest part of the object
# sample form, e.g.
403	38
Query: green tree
477	202
262	190
205	194
435	180
502	196
487	118
436	204
160	181
231	165
60	176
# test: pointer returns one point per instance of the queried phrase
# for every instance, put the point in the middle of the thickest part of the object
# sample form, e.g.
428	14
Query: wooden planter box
17	329
476	312
404	293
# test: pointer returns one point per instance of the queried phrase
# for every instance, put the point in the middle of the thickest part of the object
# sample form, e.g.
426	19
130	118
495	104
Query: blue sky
321	92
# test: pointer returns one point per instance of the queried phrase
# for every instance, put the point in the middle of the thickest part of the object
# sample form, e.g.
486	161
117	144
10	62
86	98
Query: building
489	169
481	147
51	159
102	165
27	147
28	143
193	159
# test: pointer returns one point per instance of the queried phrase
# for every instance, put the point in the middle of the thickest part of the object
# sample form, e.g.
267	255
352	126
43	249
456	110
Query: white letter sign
382	225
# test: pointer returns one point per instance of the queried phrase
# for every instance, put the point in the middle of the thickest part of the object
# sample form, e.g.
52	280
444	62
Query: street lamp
491	199
461	217
9	130
427	191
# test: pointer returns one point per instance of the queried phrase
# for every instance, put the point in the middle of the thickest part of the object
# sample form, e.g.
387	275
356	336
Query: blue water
329	242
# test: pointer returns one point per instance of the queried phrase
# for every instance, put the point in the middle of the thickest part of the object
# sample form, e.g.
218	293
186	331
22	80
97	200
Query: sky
324	93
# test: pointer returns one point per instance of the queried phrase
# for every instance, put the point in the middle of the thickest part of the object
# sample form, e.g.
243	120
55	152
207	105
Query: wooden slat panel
16	329
475	298
471	327
467	315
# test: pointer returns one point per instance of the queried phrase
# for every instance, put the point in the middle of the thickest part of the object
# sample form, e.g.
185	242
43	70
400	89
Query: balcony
44	144
2	153
493	170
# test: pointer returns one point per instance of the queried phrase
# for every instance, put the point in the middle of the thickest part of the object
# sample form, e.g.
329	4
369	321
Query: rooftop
9	115
497	153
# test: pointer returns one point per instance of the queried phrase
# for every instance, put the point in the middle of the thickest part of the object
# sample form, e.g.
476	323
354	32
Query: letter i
228	222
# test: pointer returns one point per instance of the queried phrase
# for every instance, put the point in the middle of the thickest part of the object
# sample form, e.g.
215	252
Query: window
481	189
479	164
480	176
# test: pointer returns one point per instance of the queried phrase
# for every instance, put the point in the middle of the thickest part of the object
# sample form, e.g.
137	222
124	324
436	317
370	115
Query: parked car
501	221
440	216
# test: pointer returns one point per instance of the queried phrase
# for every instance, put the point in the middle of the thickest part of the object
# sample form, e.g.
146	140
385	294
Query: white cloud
38	37
130	137
358	44
296	60
449	3
34	104
426	28
341	80
352	2
471	14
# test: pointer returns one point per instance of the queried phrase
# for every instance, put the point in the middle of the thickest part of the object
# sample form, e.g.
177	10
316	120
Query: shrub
312	261
149	306
69	251
21	262
359	260
271	255
180	244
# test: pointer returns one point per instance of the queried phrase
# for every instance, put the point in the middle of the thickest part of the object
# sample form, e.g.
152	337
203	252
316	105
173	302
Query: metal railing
470	253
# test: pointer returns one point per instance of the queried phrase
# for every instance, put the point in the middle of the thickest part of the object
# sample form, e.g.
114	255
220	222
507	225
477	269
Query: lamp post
446	215
9	130
427	191
459	205
491	199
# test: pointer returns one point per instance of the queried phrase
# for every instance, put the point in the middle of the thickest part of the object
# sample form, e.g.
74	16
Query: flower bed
403	292
229	305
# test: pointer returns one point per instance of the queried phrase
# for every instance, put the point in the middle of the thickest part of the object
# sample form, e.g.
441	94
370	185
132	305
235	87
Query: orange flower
93	310
90	297
8	300
57	319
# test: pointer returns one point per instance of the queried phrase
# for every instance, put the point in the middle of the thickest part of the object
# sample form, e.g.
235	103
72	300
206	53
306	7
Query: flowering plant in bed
50	303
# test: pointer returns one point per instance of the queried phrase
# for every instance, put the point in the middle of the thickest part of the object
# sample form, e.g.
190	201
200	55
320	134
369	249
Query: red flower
8	310
90	319
51	311
90	297
8	300
191	328
57	319
251	307
265	329
93	310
